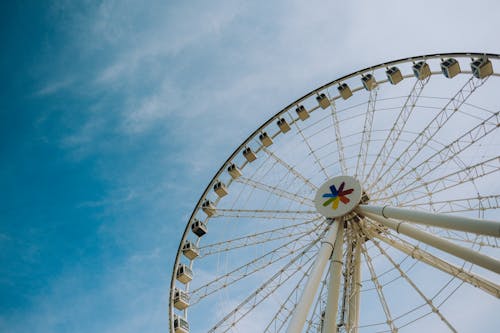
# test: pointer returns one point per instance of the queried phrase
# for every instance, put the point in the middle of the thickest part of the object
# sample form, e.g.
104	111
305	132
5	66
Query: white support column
472	256
355	289
477	226
301	311
332	301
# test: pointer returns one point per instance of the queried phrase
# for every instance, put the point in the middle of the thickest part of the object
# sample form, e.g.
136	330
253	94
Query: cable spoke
281	317
290	168
265	214
275	191
267	288
477	203
378	287
396	130
253	266
448	152
316	159
317	315
259	238
366	135
478	241
430	130
453	179
414	286
434	261
338	137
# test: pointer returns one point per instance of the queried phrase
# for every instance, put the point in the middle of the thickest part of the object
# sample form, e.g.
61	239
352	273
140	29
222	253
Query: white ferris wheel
370	204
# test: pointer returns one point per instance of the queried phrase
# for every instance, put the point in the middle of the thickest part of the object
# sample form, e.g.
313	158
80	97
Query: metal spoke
440	264
477	241
426	135
453	179
414	286
437	242
453	222
476	203
317	316
448	152
378	287
267	214
338	137
316	159
276	191
396	131
281	317
253	266
293	230
366	135
291	169
265	289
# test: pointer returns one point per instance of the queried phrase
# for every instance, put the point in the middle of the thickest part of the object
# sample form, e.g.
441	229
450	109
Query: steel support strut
304	304
332	301
477	226
472	256
354	297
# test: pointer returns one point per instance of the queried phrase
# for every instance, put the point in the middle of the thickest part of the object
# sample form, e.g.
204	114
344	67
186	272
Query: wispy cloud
99	301
171	31
53	87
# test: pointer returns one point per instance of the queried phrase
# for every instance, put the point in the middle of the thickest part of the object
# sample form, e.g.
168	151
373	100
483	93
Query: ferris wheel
370	204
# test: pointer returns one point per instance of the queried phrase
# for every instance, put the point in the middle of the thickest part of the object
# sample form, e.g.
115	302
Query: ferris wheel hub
338	196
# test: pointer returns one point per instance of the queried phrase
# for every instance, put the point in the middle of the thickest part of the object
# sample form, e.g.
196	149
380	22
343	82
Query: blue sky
114	115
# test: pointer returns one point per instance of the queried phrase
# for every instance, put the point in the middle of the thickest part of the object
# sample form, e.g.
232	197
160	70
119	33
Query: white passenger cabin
283	125
190	250
450	68
234	171
481	68
208	207
181	299
249	154
265	139
180	325
302	112
394	75
323	101
220	189
369	82
184	273
421	70
344	90
199	228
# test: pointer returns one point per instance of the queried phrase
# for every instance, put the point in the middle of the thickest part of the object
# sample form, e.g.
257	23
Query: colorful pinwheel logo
336	196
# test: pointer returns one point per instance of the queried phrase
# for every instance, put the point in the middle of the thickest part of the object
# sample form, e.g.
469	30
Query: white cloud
171	31
127	297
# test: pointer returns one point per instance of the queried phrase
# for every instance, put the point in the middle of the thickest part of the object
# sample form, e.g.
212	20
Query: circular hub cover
338	196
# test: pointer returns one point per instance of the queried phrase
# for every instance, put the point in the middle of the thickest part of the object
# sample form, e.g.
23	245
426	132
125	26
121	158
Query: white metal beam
438	263
332	301
477	226
472	256
354	300
303	305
